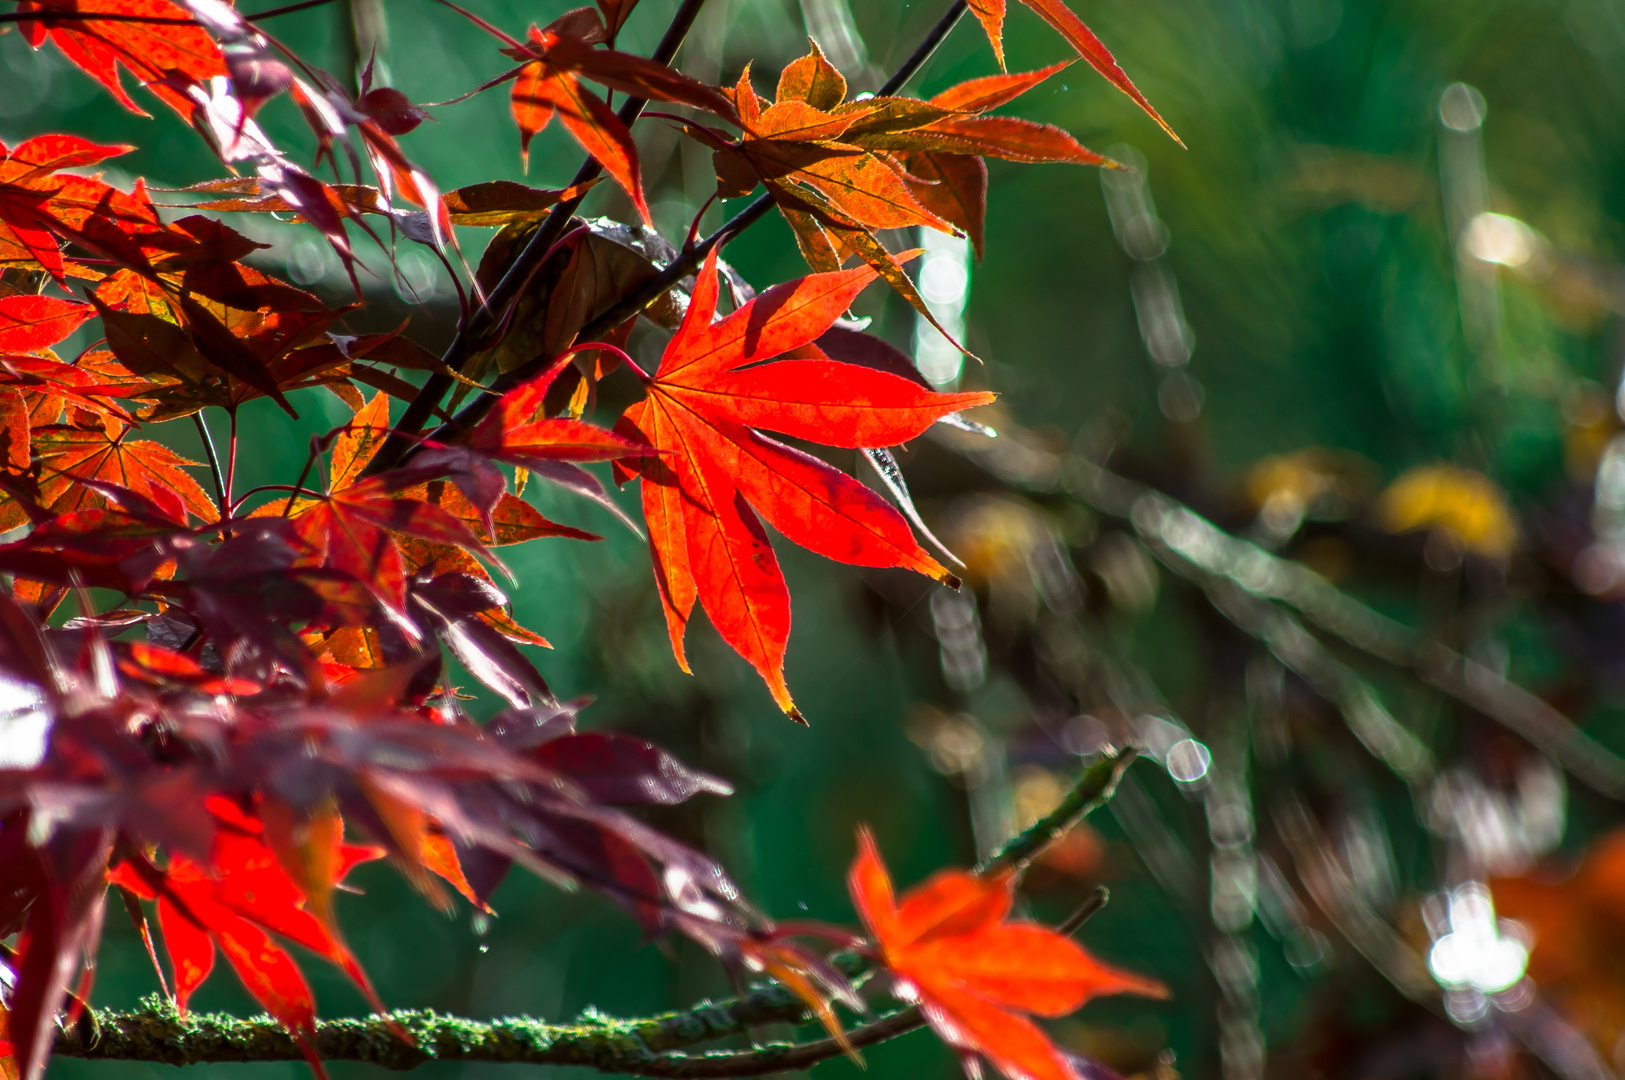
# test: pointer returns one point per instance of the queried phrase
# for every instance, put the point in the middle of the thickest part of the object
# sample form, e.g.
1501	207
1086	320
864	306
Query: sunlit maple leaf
717	472
557	57
974	972
990	13
351	528
39	207
29	323
155	40
68	454
517	432
235	901
841	170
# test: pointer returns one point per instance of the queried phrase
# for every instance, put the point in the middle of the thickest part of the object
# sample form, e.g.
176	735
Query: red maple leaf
68	454
557	57
33	197
352	527
705	402
29	323
973	972
156	41
1066	22
234	901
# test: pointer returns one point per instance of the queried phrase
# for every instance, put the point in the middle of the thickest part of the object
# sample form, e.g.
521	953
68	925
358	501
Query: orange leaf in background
973	972
440	858
701	497
1577	925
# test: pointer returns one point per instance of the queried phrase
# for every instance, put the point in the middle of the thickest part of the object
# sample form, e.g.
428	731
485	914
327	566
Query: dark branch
155	20
479	324
288	9
686	263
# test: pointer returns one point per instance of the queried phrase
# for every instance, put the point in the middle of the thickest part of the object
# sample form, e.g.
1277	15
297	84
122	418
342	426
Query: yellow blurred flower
1446	498
1312	482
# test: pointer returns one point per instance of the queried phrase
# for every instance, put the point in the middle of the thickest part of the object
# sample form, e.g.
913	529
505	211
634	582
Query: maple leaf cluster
267	704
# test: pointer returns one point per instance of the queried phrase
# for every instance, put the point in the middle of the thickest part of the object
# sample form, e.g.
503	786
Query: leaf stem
295	491
310	460
214	463
286	9
593	346
231	461
472	331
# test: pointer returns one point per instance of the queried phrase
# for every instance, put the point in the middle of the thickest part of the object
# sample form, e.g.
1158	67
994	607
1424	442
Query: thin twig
634	302
48	16
310	460
287	9
473	331
231	459
1093	789
1087	910
214	463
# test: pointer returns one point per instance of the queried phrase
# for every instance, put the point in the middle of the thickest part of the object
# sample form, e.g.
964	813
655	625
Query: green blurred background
1321	275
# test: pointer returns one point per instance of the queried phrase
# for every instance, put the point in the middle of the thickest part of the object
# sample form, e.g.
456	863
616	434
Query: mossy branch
650	1046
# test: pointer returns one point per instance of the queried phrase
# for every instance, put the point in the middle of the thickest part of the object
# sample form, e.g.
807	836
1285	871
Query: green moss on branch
649	1046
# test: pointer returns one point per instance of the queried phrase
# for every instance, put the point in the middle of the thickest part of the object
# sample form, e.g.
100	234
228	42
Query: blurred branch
1259	574
1092	791
1168	526
1302	654
1332	890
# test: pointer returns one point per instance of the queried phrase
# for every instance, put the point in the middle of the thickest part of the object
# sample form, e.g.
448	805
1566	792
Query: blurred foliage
1390	351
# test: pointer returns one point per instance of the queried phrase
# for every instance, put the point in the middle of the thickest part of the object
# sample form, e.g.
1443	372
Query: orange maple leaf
973	972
